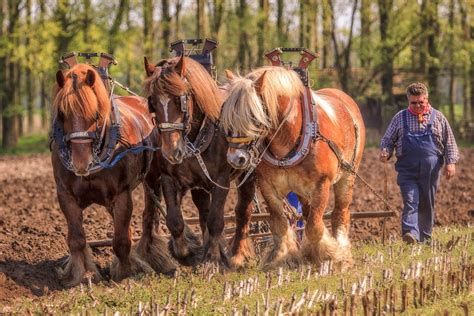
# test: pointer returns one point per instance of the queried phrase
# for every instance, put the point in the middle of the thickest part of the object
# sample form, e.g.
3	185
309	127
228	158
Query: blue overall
418	170
293	200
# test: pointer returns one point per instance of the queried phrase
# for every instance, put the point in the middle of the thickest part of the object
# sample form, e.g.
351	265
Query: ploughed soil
33	229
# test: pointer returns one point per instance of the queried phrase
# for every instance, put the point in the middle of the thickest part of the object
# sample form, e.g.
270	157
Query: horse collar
310	129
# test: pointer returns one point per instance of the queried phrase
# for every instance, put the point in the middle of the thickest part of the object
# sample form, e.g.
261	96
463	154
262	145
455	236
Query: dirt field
33	229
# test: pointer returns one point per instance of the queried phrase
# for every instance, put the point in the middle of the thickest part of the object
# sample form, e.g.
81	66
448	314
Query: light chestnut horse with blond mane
265	107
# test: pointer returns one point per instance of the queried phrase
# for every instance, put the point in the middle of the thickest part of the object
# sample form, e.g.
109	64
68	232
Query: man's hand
450	170
384	155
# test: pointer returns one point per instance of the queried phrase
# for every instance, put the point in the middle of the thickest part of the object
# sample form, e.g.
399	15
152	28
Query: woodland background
372	49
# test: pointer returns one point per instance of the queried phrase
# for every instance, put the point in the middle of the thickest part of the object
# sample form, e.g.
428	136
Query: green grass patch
31	144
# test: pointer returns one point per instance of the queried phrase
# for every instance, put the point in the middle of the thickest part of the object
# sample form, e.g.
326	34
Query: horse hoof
155	253
134	266
191	257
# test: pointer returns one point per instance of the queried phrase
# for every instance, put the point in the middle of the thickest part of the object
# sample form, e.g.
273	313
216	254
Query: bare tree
262	29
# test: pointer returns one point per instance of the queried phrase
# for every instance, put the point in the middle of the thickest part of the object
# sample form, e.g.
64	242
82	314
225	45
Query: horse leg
285	247
318	244
340	218
214	243
185	246
127	263
152	247
202	201
242	246
80	258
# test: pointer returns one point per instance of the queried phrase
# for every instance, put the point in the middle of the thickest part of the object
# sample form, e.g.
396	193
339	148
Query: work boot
409	238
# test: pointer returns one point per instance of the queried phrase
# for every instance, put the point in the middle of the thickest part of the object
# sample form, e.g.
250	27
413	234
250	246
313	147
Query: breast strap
310	129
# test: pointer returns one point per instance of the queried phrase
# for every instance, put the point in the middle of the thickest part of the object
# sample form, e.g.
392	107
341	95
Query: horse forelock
204	89
246	113
78	99
243	112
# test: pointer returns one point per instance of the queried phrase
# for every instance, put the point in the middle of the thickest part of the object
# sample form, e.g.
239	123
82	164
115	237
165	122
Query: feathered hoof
155	252
134	266
243	255
187	250
215	252
285	253
328	249
276	258
77	269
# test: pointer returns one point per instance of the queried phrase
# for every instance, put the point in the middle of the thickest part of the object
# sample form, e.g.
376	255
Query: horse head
177	88
81	106
253	110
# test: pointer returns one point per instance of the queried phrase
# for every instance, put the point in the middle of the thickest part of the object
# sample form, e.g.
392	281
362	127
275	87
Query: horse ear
181	66
260	83
90	78
149	68
229	74
60	79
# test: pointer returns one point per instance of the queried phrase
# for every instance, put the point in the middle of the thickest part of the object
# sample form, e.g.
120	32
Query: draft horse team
189	134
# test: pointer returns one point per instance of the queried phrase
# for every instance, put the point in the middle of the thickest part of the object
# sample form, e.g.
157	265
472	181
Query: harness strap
309	135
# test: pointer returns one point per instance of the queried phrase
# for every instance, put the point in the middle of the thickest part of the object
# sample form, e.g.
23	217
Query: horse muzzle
238	159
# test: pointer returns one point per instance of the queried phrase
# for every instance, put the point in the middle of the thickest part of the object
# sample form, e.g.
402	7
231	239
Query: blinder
185	125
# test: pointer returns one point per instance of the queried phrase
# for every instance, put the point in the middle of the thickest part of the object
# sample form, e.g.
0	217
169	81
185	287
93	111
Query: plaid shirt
443	135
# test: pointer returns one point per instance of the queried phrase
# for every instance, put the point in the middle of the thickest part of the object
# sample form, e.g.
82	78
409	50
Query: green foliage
32	144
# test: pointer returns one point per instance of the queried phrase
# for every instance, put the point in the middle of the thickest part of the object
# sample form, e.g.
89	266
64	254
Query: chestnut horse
89	130
187	103
265	107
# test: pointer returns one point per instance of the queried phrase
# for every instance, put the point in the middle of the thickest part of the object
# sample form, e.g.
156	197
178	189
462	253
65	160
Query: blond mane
85	101
246	113
204	88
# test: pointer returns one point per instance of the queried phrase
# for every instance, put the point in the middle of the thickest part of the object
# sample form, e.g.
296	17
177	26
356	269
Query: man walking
423	143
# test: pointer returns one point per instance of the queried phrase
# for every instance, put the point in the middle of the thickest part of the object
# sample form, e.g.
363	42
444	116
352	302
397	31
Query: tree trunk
242	15
468	70
326	11
177	25
128	72
385	8
148	28
10	110
65	22
433	50
3	63
86	22
312	29
165	26
200	28
28	78
342	59
451	61
280	23
114	29
43	108
365	42
17	96
216	18
262	30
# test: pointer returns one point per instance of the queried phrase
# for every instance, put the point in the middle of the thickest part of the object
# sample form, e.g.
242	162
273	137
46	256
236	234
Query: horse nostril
178	154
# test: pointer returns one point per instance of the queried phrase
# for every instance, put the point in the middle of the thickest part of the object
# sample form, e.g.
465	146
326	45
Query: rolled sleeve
390	137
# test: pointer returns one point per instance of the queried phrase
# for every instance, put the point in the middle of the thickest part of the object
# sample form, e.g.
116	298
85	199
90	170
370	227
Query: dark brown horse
187	103
89	130
265	108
